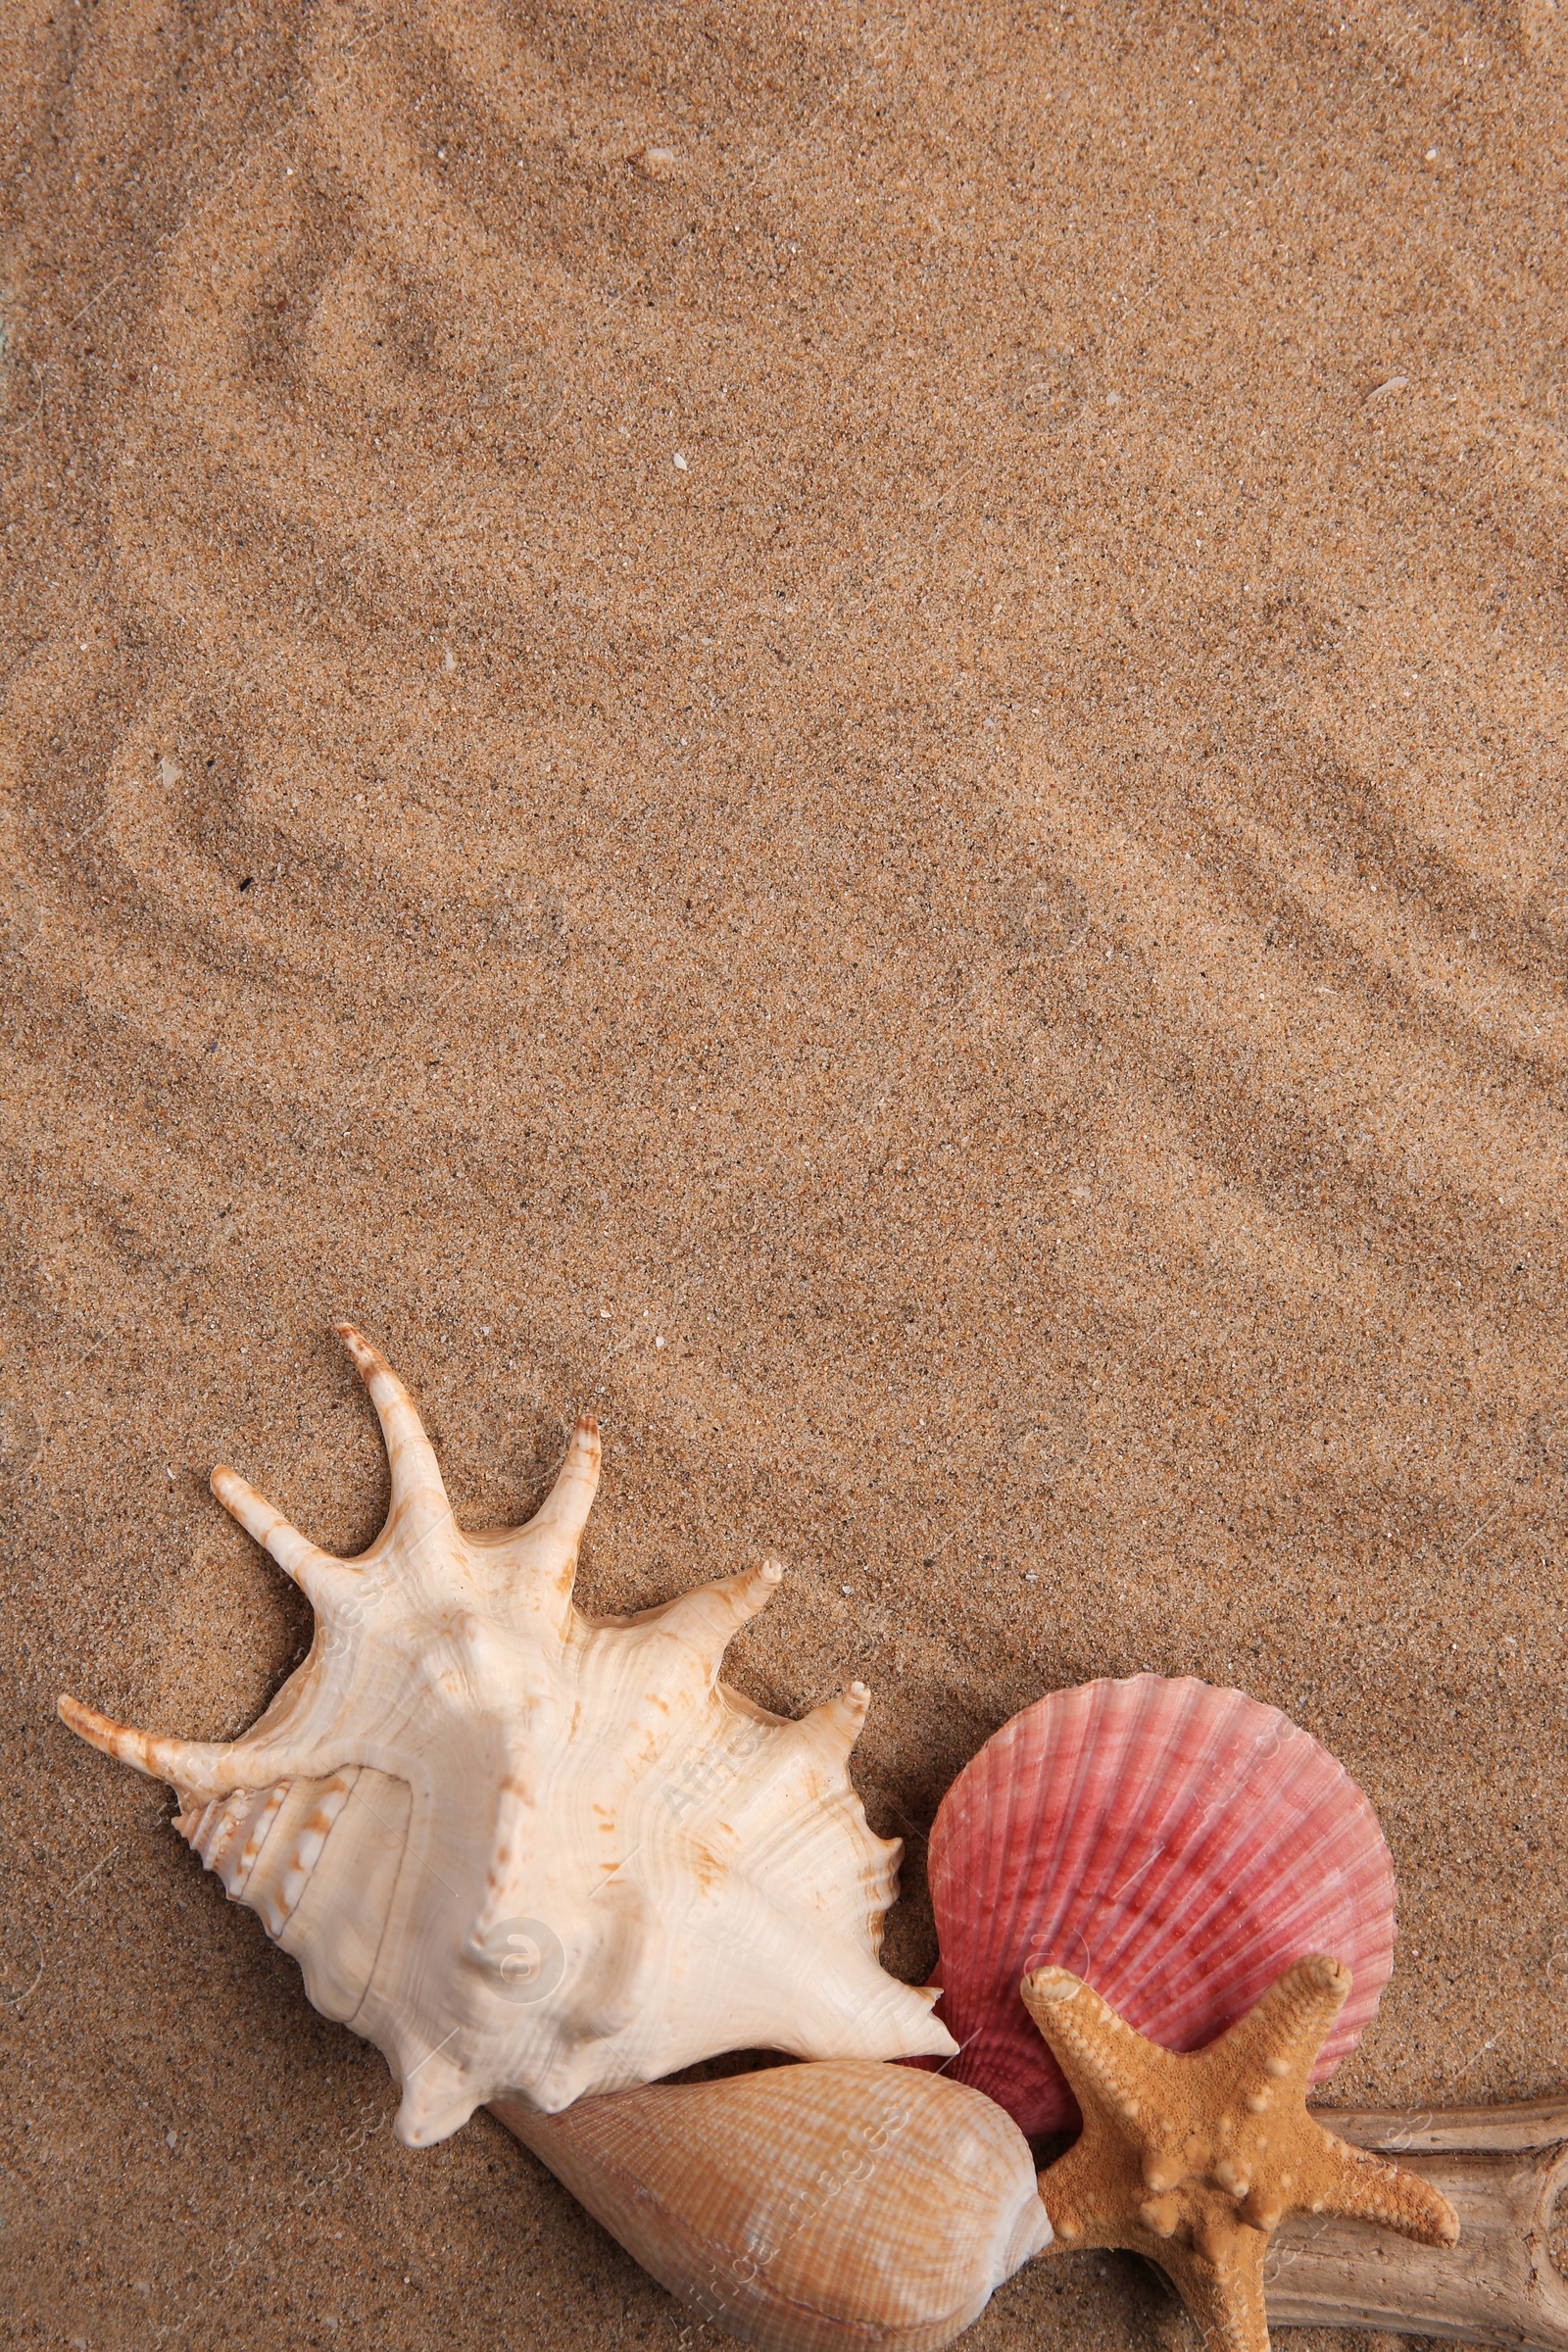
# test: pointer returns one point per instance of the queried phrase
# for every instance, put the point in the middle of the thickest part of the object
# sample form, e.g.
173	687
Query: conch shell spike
418	1492
203	1766
710	1616
319	1577
543	1554
839	1720
565	1508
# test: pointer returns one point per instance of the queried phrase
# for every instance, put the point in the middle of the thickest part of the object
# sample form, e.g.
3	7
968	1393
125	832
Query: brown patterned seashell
838	2207
527	1850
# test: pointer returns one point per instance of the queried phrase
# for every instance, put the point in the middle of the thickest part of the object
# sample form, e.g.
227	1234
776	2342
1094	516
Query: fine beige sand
877	691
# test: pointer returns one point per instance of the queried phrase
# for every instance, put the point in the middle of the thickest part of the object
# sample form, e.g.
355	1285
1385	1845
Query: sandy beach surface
877	692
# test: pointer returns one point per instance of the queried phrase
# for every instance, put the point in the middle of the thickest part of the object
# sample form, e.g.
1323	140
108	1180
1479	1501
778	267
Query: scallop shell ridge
525	1850
1174	1844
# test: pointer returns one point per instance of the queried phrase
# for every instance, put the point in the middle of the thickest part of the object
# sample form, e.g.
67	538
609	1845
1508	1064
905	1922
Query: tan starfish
1192	2157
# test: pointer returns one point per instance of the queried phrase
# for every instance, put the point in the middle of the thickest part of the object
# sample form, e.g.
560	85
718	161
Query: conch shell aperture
527	1852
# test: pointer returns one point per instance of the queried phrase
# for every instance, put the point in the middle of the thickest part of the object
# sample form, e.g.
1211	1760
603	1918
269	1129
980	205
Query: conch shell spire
528	1851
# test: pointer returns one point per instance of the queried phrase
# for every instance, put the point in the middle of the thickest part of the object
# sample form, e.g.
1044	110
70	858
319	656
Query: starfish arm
1223	2290
1349	2180
1278	2041
1086	2198
1107	2064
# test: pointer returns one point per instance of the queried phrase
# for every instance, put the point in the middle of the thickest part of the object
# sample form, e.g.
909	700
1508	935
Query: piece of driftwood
1503	2170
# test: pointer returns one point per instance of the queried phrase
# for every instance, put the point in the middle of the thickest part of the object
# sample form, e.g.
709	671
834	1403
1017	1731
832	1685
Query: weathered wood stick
1502	2168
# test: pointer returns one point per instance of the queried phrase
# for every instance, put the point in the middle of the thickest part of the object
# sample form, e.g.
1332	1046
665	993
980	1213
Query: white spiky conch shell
528	1851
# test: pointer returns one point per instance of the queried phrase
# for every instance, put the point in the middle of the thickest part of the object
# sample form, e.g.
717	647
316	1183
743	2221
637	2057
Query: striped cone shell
1175	1846
841	2206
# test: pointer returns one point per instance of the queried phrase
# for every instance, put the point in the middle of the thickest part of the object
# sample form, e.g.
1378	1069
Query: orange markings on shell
402	1824
1177	1846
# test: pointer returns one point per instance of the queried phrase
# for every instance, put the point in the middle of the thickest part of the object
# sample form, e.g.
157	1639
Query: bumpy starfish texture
1192	2158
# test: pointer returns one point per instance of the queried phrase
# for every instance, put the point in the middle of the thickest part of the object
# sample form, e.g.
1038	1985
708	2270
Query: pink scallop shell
1177	1846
